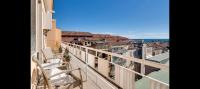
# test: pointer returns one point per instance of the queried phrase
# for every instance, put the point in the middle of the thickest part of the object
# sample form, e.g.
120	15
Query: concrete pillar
144	51
143	58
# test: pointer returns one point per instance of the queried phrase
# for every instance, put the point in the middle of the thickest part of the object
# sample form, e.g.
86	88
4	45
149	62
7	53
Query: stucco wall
54	37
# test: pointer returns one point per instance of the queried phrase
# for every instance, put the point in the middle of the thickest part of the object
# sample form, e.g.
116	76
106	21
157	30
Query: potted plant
66	56
66	60
60	49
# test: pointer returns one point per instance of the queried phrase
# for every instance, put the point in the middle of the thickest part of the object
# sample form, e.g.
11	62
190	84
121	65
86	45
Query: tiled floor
89	84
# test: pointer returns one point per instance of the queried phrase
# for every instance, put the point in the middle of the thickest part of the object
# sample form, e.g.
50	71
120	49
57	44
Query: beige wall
103	66
48	4
157	52
53	24
54	37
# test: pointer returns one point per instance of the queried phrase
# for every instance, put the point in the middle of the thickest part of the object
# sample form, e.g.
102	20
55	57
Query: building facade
41	19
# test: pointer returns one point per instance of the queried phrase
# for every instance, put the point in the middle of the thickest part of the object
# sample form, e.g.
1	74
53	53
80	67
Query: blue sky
129	18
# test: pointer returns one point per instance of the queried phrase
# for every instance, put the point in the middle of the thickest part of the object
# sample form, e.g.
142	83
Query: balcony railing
102	68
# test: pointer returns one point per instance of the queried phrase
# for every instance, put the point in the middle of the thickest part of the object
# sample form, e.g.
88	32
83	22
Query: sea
151	40
156	40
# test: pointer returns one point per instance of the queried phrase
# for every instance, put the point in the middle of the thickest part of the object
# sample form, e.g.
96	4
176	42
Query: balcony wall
48	4
103	66
83	56
91	60
95	80
123	77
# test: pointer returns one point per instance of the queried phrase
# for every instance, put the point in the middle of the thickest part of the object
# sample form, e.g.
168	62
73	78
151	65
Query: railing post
72	49
111	58
86	61
143	58
95	53
76	50
86	55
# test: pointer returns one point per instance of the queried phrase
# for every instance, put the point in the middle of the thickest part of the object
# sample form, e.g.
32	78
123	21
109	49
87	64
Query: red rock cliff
70	35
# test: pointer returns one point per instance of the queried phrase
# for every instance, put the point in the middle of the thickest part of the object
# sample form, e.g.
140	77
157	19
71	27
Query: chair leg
44	85
71	86
81	83
81	86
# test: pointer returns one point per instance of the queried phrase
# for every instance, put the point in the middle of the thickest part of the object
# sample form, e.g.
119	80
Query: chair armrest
50	65
66	71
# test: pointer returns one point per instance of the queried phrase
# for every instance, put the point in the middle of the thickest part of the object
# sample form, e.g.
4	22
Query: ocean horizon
152	40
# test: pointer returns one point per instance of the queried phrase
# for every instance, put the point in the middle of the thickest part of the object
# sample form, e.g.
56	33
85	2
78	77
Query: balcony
106	70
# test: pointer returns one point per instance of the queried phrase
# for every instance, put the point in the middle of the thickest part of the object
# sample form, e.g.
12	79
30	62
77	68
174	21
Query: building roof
120	51
160	75
99	42
157	45
167	63
166	44
162	58
119	43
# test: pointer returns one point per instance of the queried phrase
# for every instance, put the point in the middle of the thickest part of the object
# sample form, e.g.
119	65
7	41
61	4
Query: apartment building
41	20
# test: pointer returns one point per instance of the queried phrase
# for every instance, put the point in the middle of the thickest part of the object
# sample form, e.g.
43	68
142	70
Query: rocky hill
70	35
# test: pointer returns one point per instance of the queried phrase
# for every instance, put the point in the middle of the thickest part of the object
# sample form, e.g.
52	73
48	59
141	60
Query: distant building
158	47
69	36
162	58
100	45
86	42
137	40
